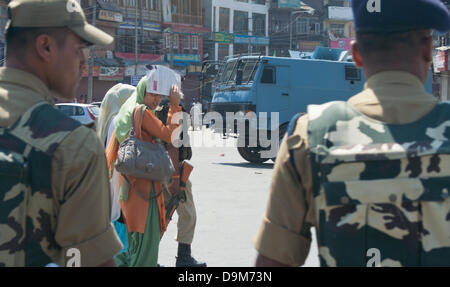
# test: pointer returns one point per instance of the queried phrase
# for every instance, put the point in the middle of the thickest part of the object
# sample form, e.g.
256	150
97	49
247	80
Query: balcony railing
187	19
147	15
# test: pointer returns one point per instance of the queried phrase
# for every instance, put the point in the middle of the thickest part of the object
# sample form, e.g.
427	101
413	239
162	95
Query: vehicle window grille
352	73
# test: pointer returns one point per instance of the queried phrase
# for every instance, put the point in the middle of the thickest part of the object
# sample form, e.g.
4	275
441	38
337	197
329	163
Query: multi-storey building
237	26
139	36
131	22
295	25
339	23
107	70
183	23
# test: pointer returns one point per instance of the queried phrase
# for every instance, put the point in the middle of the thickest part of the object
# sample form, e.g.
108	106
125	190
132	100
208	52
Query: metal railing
187	19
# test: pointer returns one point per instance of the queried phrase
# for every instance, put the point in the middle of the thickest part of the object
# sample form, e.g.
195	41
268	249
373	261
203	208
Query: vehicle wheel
251	154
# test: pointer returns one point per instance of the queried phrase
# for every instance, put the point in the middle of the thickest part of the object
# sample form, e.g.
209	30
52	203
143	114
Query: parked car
98	104
84	113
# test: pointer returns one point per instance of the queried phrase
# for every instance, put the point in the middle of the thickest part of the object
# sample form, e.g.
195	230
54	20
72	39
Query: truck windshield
233	69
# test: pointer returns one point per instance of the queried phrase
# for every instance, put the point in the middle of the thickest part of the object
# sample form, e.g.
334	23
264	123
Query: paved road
230	196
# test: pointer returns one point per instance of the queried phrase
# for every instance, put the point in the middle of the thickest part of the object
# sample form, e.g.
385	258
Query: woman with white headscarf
143	204
110	107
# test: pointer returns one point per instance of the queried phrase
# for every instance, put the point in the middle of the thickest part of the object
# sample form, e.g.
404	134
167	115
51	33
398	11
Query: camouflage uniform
371	173
187	215
55	193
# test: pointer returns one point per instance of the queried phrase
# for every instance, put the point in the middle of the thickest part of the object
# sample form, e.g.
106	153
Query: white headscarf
114	99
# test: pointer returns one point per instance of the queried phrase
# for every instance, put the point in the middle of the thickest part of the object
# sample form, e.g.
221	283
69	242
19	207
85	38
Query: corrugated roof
105	62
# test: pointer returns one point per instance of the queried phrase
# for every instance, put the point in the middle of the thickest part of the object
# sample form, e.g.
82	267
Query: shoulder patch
294	142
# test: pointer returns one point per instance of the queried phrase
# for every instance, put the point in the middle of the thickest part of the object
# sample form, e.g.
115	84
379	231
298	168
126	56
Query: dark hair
18	39
390	45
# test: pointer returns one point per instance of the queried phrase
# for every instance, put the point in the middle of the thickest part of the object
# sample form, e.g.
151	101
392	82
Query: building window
307	26
167	41
260	2
150	44
240	22
338	30
187	44
214	29
155	5
194	42
130	3
259	24
301	26
224	19
175	41
317	29
223	51
125	40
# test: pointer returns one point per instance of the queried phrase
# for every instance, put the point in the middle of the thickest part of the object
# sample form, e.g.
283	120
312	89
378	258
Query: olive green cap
55	13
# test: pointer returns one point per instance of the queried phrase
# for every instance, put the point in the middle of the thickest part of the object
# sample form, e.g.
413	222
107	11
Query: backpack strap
290	131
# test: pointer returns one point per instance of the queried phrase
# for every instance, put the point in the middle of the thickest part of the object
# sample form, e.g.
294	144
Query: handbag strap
141	195
136	130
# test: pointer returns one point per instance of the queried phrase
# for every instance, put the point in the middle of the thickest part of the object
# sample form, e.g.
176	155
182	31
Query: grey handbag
143	159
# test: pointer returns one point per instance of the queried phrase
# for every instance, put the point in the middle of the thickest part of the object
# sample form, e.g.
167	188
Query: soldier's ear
356	54
44	47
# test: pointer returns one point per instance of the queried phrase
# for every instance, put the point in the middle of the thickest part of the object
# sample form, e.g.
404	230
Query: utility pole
91	60
290	31
250	34
136	39
171	47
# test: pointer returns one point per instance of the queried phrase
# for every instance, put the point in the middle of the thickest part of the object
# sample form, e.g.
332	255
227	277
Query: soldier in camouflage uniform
54	192
372	173
187	215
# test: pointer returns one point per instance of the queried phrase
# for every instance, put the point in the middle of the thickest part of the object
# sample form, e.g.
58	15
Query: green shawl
123	119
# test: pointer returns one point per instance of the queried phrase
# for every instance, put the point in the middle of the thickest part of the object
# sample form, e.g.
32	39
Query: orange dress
135	208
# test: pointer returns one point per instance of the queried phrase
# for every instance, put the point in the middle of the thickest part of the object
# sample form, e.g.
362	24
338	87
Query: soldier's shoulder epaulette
44	127
290	132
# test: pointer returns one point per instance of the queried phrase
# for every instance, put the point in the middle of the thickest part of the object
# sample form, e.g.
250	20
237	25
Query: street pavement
230	195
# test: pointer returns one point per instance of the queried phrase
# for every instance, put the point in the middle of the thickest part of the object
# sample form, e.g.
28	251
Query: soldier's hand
174	187
174	96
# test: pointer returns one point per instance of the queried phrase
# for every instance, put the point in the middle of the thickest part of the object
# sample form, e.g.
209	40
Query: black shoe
188	261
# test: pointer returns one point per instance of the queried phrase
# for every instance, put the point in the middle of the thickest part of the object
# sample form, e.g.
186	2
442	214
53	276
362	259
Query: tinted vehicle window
94	110
67	110
268	76
227	71
249	70
79	111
